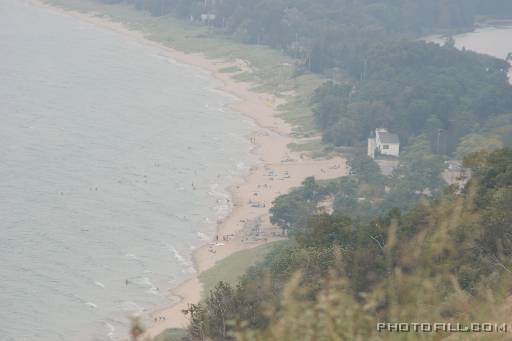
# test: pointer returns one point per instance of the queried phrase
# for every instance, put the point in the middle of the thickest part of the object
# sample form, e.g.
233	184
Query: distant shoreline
270	142
503	24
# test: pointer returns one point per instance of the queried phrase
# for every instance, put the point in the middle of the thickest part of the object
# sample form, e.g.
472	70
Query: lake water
101	139
492	40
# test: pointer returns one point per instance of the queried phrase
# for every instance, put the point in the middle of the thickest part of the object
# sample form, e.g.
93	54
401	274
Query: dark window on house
385	146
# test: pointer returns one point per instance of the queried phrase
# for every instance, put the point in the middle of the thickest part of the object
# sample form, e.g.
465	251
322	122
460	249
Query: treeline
327	33
439	261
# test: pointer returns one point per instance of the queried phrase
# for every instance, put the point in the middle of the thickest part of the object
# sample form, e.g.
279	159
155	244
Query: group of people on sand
159	318
225	237
336	166
257	204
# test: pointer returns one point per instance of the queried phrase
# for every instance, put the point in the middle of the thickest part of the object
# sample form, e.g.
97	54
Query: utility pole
365	68
438	138
365	65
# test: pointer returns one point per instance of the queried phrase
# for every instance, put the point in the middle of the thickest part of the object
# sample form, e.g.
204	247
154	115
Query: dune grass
314	145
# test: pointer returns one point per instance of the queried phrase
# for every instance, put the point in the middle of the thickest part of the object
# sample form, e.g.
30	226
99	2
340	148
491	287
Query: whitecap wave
241	165
143	282
189	270
110	331
177	255
203	237
92	305
131	256
131	307
101	285
153	291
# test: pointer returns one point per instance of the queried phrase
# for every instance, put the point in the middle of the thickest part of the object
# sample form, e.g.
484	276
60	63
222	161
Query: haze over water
495	41
112	161
101	140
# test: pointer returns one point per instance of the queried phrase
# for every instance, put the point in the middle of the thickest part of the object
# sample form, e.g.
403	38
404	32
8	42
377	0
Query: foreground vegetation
230	268
444	260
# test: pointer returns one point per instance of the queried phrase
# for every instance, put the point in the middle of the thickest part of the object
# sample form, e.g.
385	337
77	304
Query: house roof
386	137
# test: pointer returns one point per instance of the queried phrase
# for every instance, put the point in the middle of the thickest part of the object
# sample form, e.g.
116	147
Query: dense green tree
293	209
475	142
492	176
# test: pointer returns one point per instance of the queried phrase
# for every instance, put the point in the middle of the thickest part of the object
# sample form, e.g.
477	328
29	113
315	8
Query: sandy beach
277	171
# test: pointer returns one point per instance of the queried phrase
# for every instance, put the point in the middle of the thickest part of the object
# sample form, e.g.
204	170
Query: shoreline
270	141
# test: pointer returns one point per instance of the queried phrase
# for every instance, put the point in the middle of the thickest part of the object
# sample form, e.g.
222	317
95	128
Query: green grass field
171	335
315	145
231	268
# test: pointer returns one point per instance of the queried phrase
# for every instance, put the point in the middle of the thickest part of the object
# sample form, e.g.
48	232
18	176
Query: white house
384	142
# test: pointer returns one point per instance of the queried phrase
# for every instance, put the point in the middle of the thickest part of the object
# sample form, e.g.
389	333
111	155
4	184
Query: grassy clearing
315	146
231	268
174	334
230	69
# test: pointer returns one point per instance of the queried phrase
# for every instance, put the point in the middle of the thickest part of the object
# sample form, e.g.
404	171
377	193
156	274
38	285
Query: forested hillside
328	33
415	88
